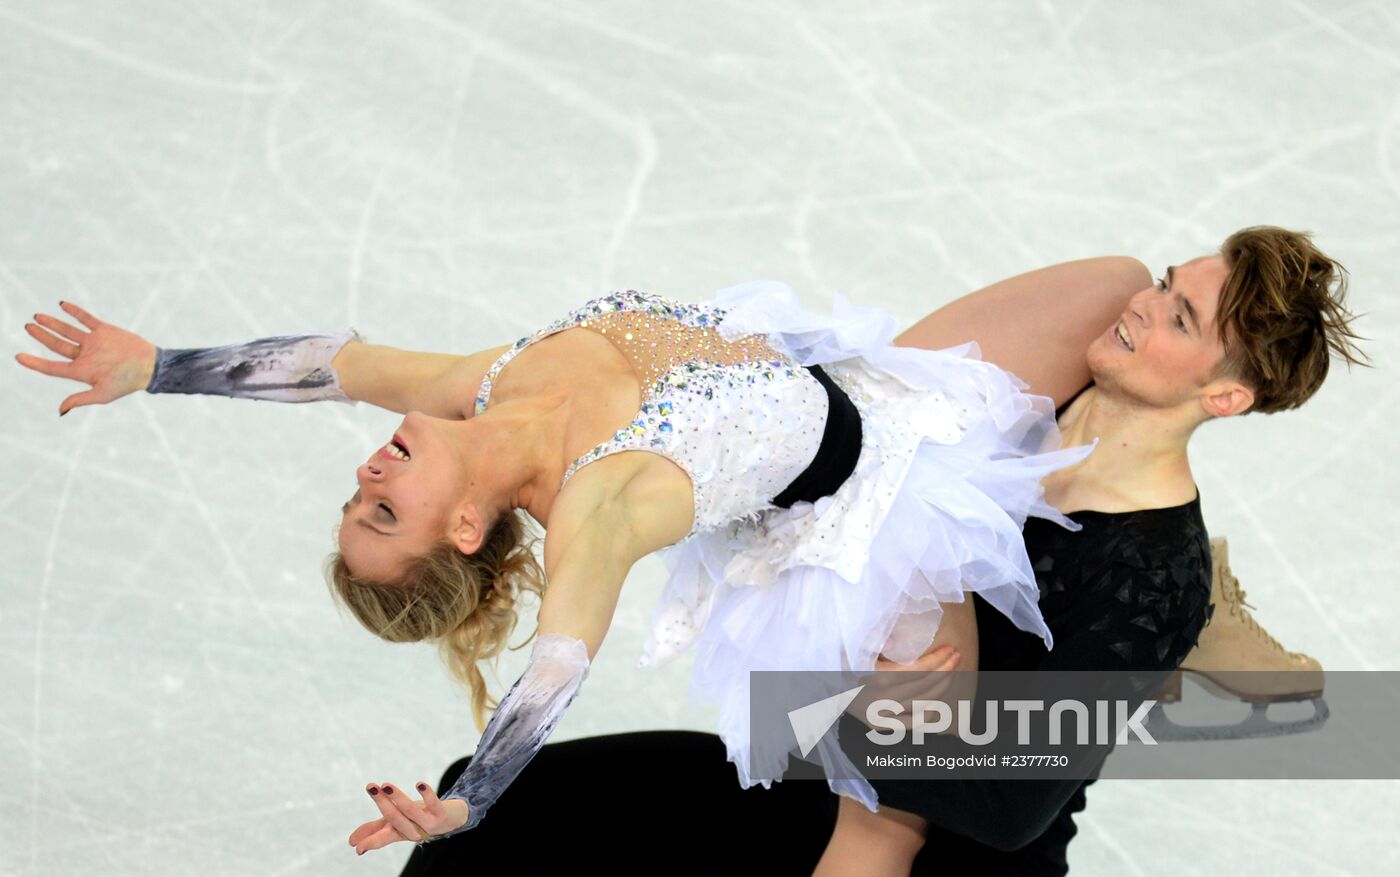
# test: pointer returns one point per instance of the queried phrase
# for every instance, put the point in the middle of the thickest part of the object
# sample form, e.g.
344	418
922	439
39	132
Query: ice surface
448	176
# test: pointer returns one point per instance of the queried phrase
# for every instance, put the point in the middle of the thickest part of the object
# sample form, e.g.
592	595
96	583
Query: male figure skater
1249	329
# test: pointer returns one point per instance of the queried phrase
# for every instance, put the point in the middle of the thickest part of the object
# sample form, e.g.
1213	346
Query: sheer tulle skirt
952	456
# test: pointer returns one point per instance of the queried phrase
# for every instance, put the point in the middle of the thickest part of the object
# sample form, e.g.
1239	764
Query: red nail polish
388	790
374	791
422	787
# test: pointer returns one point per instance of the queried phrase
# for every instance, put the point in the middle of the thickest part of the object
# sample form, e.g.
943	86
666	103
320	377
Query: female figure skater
822	499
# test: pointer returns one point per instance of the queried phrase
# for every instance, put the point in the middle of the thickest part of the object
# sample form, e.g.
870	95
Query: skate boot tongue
1234	641
1239	606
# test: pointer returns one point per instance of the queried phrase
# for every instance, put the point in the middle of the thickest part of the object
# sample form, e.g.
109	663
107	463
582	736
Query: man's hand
931	677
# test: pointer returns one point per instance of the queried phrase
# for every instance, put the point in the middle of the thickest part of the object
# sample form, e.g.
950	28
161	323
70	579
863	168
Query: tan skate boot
1233	642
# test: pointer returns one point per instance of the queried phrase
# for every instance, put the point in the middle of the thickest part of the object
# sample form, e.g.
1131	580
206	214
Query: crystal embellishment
711	406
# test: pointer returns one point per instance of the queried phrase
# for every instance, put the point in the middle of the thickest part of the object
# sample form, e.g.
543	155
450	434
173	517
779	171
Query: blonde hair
465	604
1282	316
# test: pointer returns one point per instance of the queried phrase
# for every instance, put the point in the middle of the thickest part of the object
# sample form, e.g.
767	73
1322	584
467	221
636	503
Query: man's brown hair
1281	316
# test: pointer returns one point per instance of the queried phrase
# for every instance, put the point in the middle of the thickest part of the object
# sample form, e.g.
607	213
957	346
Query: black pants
667	802
660	802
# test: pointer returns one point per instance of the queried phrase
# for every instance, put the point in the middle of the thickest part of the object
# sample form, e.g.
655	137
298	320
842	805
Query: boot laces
1234	594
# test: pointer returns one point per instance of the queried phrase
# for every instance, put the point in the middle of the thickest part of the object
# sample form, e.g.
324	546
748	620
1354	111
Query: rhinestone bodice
739	417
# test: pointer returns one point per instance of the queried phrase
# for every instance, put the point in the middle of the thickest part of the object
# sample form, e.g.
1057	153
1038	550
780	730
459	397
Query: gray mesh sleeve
524	718
285	368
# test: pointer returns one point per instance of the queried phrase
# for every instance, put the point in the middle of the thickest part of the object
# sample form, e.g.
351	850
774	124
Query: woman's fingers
419	818
52	368
58	327
67	345
87	397
405	818
431	802
364	831
52	342
80	315
378	840
401	812
114	361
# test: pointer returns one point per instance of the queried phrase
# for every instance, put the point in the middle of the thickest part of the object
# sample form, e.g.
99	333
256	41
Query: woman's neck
513	450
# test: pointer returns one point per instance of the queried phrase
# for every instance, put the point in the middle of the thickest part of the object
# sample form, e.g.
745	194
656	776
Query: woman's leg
1038	325
664	802
867	844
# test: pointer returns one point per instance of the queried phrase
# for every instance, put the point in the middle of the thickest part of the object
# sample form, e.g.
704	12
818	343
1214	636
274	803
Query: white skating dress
950	461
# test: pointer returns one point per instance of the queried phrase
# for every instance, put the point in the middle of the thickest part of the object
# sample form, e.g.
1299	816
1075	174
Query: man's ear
1226	399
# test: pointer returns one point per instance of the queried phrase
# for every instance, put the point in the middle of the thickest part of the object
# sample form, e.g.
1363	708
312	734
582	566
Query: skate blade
1256	725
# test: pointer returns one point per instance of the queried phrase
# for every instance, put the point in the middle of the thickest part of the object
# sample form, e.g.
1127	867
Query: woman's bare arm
438	384
1035	325
117	362
587	559
606	519
1038	325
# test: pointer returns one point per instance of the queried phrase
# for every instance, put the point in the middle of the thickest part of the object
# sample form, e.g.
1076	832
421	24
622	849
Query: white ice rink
181	695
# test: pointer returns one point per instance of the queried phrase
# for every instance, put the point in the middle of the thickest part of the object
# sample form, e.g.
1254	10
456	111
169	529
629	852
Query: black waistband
836	456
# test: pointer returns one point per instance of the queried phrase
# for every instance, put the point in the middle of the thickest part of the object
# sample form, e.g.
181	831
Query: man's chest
1125	592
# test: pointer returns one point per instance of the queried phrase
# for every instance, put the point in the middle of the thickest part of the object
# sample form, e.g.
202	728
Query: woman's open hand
114	361
407	819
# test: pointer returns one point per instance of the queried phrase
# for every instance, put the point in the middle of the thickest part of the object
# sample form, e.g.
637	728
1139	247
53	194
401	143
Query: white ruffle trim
952	457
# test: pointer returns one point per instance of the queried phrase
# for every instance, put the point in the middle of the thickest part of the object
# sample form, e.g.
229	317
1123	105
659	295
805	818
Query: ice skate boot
1236	659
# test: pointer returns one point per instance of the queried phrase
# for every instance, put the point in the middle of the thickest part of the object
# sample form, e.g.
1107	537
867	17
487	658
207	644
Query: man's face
1163	349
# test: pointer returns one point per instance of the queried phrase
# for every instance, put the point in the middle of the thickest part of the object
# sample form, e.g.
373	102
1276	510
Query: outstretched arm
338	366
585	582
1038	325
282	368
521	723
307	367
438	384
518	729
589	554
